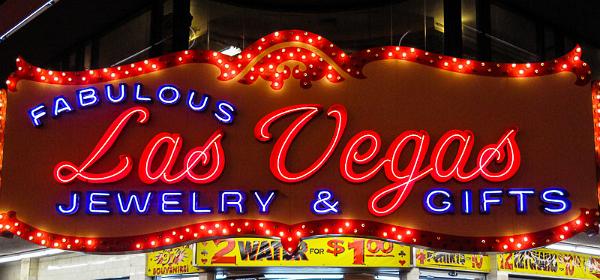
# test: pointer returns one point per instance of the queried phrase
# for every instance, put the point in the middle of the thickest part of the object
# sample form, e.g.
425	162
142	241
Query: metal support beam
484	29
182	20
452	28
156	27
80	58
559	43
540	41
95	54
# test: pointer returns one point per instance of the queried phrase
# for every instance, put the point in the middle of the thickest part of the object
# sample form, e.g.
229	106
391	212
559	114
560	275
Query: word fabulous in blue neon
168	95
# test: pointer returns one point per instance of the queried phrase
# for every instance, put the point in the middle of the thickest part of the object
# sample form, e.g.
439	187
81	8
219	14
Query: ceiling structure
585	240
12	246
579	19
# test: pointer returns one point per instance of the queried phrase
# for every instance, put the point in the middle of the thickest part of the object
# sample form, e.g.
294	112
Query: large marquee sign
315	252
294	138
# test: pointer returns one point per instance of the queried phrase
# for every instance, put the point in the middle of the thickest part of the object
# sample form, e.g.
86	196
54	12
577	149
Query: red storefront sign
294	138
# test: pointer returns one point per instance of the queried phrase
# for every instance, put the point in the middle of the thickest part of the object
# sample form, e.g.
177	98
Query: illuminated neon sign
152	169
166	95
464	155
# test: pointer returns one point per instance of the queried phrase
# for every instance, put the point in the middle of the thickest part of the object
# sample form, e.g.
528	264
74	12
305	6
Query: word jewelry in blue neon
164	202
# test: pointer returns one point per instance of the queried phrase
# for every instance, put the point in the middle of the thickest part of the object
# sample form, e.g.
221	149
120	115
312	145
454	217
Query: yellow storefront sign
329	252
551	263
454	261
176	260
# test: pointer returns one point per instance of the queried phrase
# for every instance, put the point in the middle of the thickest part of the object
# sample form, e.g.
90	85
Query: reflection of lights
386	277
100	262
231	51
304	276
28	18
30	254
575	248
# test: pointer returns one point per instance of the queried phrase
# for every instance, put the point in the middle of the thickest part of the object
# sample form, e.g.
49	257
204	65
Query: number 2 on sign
219	257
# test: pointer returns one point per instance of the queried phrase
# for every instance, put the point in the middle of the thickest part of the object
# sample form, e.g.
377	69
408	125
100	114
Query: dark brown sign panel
294	138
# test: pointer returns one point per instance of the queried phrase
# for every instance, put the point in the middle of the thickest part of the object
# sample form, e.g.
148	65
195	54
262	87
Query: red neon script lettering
351	156
404	179
282	146
66	171
210	157
211	152
504	155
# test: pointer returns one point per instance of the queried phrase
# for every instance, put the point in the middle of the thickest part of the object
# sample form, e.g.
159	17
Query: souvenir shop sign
455	261
178	260
564	265
315	252
293	138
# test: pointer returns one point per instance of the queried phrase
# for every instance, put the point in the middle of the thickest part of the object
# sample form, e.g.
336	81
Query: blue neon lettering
195	206
175	94
467	204
521	195
168	206
74	202
264	204
109	90
227	202
225	112
61	105
487	199
200	106
138	97
87	97
134	199
324	203
94	203
431	206
36	113
556	201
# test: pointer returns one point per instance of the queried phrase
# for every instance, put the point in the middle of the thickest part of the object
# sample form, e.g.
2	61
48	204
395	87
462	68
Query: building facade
68	36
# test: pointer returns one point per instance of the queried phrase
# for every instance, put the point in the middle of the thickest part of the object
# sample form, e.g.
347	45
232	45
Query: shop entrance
426	274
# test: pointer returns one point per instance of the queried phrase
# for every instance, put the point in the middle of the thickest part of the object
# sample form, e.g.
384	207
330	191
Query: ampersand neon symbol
324	203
